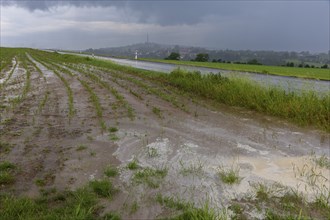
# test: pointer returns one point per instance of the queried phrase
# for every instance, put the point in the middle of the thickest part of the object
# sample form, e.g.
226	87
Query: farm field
310	73
88	139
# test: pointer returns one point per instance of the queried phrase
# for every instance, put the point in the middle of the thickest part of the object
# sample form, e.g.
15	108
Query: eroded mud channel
75	122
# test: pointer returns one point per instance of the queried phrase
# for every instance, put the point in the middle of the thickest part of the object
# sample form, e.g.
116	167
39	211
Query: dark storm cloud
262	25
160	12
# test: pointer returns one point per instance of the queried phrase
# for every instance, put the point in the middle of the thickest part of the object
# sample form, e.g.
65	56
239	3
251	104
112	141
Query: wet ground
194	141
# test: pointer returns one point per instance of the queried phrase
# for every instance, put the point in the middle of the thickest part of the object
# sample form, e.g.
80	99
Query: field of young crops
82	138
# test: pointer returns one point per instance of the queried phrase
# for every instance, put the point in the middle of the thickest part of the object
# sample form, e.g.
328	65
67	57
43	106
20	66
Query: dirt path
194	144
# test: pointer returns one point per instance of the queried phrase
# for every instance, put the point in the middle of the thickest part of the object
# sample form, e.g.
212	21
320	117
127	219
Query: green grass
81	147
79	204
313	73
6	173
111	171
187	210
103	188
229	175
150	177
157	111
5	147
323	161
133	165
112	129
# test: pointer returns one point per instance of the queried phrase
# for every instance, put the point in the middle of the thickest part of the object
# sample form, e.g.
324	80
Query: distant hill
160	51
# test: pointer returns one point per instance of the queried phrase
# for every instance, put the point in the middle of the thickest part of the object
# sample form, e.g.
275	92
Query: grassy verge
312	73
79	204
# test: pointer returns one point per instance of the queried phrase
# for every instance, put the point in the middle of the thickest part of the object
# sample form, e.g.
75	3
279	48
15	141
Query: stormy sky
257	25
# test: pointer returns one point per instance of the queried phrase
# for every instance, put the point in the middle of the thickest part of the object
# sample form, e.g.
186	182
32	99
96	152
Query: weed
5	147
112	216
323	161
111	171
113	129
134	207
90	138
152	152
92	153
188	210
6	173
6	166
192	169
133	165
103	188
229	175
157	112
150	177
40	182
114	137
81	147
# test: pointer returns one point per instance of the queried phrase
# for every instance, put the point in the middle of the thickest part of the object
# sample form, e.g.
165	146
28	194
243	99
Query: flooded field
65	125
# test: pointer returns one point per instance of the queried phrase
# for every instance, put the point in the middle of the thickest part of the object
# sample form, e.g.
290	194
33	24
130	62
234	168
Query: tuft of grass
113	129
6	166
6	173
6	178
81	147
150	177
103	188
40	182
323	161
113	137
112	216
5	147
133	165
192	169
157	112
188	210
111	171
134	207
229	175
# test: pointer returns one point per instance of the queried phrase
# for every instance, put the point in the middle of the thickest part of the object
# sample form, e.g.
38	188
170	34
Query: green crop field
311	73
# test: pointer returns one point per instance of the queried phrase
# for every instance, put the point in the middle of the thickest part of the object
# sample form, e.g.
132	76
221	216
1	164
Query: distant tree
173	56
301	65
290	64
214	61
306	66
202	57
253	62
325	66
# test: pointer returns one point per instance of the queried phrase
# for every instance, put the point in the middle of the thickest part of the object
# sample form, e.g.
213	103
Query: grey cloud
159	12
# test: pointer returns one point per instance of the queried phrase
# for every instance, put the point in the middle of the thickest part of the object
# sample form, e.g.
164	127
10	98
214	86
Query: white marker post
136	53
